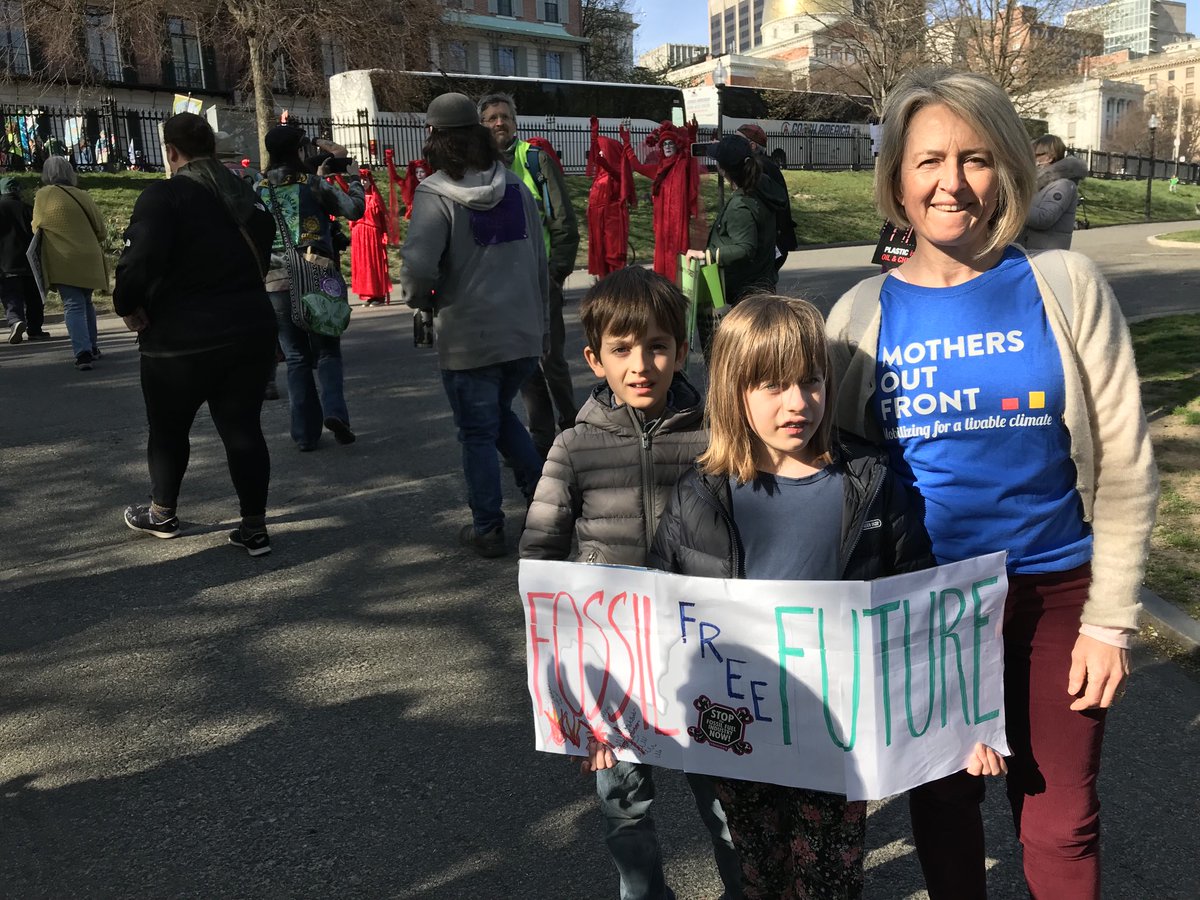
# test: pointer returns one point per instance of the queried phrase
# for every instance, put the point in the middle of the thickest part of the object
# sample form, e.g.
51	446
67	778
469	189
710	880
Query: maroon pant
1051	774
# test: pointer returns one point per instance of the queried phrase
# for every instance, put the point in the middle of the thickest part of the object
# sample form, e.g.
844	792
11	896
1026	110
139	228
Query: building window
456	57
504	7
333	59
551	8
1189	88
14	48
103	47
1071	107
506	61
1171	75
186	61
1190	72
552	65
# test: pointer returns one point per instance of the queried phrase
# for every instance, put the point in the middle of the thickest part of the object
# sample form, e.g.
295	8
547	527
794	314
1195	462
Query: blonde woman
999	383
73	263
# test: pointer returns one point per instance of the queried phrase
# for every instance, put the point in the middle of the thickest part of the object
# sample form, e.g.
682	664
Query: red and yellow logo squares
1037	400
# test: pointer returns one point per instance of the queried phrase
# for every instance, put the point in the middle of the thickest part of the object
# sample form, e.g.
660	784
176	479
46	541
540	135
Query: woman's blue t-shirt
970	395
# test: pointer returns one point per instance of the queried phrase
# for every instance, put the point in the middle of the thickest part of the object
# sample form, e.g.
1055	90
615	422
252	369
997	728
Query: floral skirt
793	842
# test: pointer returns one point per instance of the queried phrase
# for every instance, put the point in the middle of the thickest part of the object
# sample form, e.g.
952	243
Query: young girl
777	496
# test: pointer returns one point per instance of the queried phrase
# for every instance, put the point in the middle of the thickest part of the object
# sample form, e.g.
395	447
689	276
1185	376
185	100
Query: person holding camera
475	257
306	201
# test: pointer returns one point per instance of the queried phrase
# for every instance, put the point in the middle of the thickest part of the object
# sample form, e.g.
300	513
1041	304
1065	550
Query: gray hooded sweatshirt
474	255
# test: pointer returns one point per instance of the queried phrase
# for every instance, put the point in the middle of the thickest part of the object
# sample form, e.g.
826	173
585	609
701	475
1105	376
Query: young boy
606	482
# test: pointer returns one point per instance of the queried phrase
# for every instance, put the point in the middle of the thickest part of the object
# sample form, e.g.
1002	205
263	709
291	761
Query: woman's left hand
1097	670
696	254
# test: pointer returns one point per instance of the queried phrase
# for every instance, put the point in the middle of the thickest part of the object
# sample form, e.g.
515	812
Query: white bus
805	129
373	110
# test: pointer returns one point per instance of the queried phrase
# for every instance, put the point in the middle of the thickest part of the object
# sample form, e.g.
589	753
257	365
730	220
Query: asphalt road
347	717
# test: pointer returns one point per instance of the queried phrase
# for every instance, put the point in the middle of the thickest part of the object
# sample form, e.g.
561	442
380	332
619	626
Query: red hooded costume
609	201
369	276
415	172
676	193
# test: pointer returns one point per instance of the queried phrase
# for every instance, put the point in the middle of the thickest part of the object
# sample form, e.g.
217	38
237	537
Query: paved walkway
347	717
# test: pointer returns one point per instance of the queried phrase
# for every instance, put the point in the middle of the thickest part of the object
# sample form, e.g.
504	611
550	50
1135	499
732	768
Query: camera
422	328
703	149
338	164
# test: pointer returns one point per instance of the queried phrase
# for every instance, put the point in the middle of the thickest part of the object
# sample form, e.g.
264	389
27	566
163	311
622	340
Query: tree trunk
264	100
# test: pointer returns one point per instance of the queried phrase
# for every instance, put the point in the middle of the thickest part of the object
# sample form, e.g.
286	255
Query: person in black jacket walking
776	497
18	290
190	283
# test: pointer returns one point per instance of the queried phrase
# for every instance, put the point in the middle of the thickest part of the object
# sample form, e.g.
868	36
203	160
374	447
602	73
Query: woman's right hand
986	761
697	254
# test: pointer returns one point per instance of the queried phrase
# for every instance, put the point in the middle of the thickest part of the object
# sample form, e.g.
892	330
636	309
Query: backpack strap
533	162
1053	268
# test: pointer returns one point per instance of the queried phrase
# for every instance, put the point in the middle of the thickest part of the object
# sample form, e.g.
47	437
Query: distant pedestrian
18	290
1173	184
475	256
306	202
1051	220
73	262
785	226
190	284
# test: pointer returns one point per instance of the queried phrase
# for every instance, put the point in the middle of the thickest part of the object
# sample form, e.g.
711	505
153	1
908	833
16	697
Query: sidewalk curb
1156	241
1174	623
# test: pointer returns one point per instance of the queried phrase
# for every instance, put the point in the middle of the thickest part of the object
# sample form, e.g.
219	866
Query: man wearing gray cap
474	258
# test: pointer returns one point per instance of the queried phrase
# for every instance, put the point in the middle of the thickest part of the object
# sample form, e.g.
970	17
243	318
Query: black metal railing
97	137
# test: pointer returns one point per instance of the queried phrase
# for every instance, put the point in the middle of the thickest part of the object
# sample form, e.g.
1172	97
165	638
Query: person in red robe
369	277
415	172
676	192
609	201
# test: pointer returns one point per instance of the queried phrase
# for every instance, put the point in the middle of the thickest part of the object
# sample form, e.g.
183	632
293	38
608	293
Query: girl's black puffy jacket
882	530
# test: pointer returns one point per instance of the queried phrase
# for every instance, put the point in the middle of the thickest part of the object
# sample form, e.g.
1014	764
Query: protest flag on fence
861	688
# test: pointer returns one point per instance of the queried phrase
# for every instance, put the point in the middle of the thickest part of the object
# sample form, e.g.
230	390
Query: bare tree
870	48
1018	43
608	25
262	40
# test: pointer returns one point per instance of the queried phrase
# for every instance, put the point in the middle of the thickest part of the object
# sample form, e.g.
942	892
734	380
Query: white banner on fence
861	688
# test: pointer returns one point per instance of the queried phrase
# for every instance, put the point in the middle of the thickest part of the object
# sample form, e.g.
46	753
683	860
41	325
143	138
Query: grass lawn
1168	355
1188	237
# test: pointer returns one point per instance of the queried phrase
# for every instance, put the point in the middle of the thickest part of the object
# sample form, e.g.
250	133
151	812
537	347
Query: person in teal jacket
742	240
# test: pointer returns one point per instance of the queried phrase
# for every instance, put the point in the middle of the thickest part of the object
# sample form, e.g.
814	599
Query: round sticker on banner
722	727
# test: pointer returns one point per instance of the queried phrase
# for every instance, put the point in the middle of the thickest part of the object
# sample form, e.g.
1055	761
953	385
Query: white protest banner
861	688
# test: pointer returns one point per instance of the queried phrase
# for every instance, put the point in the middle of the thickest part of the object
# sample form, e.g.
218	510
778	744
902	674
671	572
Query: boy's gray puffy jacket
608	479
1051	220
491	293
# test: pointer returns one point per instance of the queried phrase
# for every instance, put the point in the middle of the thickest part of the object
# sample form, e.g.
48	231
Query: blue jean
626	792
312	401
481	400
80	317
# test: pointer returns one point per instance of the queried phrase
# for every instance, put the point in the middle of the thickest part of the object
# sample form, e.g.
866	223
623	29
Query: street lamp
718	77
1153	123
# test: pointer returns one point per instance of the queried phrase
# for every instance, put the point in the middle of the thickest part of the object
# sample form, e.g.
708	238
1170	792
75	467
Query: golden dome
783	9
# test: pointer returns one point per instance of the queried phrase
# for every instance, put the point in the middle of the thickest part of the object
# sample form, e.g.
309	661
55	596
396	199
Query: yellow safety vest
520	168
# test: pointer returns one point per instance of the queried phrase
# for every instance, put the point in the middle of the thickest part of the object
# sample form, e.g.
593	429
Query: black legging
231	379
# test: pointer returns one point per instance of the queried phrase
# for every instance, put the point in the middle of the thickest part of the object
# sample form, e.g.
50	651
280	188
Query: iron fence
1107	165
99	137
